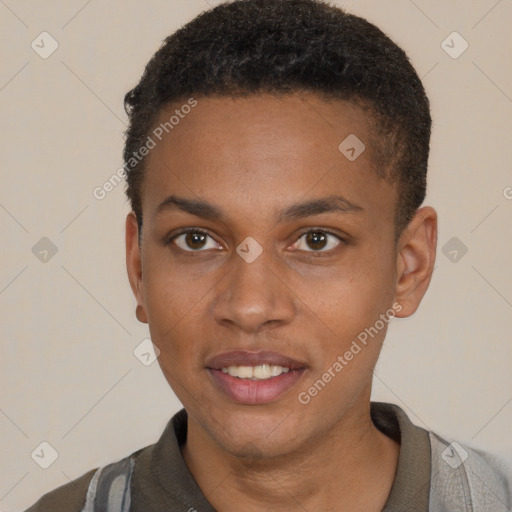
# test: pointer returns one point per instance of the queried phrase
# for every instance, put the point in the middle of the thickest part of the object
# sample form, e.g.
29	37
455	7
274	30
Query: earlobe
415	260
134	265
141	314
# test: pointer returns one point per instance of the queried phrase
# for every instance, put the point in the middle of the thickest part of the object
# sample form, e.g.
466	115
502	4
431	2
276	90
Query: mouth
254	378
259	372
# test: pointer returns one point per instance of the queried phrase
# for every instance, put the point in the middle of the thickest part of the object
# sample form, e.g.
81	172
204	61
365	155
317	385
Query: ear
416	255
134	264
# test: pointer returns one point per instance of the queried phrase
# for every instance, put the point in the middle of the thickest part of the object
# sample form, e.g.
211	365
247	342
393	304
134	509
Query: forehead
263	151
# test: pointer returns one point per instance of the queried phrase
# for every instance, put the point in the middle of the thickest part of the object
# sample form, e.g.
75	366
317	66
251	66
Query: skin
253	157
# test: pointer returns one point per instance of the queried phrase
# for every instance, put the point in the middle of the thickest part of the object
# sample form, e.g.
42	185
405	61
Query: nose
253	296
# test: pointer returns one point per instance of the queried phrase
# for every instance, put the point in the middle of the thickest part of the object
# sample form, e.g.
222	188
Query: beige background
68	373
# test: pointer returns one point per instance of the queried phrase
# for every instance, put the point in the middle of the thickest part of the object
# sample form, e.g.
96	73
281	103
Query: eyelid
170	238
323	230
327	231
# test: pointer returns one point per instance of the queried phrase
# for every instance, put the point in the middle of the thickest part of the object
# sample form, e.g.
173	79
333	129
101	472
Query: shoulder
73	496
67	498
468	479
112	483
462	478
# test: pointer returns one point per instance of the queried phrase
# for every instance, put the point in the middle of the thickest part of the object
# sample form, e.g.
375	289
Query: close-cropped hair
248	47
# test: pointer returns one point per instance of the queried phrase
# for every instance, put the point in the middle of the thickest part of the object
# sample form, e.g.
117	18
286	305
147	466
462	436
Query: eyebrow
199	208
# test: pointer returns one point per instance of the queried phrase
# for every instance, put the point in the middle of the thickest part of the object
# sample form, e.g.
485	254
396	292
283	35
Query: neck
350	468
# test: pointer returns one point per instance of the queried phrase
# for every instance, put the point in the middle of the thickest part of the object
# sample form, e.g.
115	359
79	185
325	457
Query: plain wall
68	373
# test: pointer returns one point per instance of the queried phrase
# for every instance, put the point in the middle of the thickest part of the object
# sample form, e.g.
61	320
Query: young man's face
304	297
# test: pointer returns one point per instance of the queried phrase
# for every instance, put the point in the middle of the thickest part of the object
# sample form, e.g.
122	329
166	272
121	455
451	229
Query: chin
258	437
254	448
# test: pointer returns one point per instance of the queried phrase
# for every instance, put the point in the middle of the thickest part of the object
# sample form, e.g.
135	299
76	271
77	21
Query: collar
410	490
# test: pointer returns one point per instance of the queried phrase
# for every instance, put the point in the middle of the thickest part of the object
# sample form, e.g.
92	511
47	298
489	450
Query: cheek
353	290
173	293
346	309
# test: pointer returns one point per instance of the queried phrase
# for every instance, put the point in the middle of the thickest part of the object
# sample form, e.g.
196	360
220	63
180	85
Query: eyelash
185	231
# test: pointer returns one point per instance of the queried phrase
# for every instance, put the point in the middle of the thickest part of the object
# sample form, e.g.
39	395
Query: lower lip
255	392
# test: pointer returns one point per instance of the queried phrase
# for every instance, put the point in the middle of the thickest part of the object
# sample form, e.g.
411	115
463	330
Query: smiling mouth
258	372
254	378
255	385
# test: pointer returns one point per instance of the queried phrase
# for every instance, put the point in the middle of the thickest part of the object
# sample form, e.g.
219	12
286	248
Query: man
276	165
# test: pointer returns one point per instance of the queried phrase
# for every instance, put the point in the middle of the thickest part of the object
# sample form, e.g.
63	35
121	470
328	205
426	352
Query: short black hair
248	47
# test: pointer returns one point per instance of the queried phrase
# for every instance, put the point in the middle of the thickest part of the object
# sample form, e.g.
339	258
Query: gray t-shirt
161	480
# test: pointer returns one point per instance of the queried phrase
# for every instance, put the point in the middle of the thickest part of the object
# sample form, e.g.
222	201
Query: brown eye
317	240
193	240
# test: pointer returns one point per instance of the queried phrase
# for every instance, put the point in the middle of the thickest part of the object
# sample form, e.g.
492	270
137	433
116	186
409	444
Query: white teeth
259	372
277	370
244	372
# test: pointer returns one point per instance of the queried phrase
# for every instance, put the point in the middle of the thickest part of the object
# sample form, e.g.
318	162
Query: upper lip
244	358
